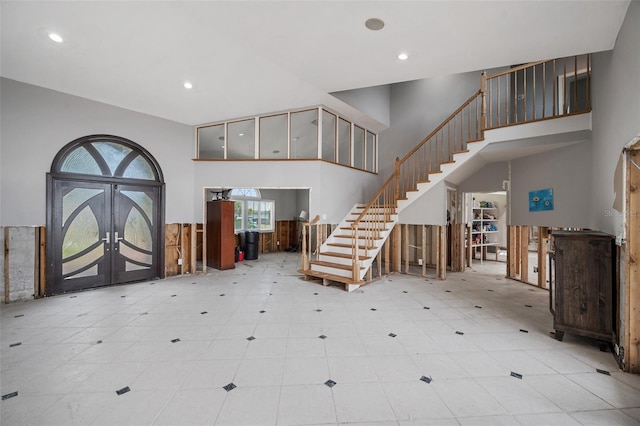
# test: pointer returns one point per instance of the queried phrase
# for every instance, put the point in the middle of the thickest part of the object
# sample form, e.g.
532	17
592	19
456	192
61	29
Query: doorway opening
486	218
105	214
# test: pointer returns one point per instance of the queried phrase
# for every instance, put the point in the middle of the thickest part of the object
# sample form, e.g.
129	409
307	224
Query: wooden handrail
516	69
440	127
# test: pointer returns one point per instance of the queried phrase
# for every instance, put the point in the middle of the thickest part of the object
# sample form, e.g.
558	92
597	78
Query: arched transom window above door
108	156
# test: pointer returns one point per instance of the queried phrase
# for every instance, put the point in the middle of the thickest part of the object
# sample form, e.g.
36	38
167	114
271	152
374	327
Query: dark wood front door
103	233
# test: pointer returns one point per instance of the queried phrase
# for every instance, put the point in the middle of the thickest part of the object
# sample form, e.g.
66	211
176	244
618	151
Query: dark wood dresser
582	292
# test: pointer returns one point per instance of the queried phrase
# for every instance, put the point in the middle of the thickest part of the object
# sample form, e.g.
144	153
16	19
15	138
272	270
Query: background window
273	137
370	151
242	139
304	134
358	147
344	142
211	142
328	136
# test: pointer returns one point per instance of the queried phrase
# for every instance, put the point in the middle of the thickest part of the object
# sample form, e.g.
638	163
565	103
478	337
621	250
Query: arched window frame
87	142
252	213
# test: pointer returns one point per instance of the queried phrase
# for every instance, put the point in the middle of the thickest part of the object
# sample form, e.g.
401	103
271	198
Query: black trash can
251	239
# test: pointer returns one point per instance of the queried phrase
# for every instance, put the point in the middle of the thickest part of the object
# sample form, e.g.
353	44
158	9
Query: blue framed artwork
540	200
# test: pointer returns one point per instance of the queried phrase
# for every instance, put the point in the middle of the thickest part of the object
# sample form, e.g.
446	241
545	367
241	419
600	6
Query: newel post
483	91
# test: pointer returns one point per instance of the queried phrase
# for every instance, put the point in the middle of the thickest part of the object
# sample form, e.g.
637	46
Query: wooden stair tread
332	265
336	278
367	221
475	140
377	228
384	206
361	247
360	238
460	152
342	255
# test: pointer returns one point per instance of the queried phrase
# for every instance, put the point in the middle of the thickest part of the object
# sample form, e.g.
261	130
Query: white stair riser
340	260
332	271
361	233
347	250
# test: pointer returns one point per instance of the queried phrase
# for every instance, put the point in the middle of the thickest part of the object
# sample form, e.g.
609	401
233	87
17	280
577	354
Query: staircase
348	253
335	259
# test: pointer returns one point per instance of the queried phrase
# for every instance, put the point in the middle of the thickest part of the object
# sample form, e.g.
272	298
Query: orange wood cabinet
221	241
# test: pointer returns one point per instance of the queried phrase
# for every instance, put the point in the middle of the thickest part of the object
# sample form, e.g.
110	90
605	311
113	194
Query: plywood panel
543	238
171	249
524	254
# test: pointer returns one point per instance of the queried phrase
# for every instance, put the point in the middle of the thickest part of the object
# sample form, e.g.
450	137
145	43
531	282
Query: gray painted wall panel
564	170
487	179
37	123
373	101
616	120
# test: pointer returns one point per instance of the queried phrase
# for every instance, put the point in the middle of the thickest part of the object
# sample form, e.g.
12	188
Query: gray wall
36	123
417	108
332	189
429	209
373	101
616	121
566	171
487	179
288	203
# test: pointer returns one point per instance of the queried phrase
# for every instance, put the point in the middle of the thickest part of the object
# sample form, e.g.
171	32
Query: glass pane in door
81	245
136	245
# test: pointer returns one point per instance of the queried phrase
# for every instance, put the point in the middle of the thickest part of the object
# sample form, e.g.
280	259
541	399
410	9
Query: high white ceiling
253	57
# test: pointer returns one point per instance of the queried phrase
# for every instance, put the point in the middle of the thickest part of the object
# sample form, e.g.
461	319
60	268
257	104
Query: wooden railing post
355	267
397	175
305	260
483	93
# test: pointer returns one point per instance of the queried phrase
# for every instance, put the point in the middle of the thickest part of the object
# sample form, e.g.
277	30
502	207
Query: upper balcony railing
309	134
538	91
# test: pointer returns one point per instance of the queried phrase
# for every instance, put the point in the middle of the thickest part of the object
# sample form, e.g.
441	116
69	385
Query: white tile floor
66	356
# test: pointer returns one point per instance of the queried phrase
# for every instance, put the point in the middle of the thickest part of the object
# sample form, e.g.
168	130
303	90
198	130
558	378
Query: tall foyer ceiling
254	57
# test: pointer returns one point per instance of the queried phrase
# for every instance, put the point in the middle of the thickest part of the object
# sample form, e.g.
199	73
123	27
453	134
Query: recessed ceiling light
240	134
374	24
188	85
56	37
403	56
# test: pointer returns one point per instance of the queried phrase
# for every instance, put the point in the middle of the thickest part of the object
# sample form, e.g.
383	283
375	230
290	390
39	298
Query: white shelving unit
484	231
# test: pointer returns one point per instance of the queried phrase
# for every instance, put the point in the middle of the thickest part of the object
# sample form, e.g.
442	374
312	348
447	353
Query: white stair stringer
334	262
459	160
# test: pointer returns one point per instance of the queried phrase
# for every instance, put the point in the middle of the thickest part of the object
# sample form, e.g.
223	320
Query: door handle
117	239
107	238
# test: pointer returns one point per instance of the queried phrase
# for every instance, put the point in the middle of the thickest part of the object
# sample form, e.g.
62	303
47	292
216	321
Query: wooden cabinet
221	241
582	293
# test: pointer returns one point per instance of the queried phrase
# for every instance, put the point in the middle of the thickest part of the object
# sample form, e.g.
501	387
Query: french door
103	233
